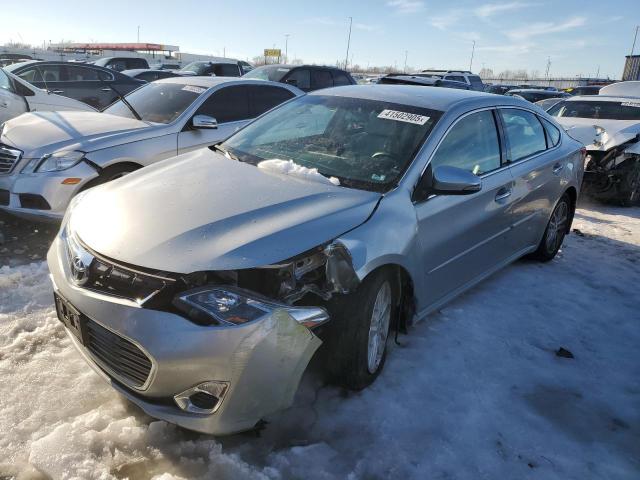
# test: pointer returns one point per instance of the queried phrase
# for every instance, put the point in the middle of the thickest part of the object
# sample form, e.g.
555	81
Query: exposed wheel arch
106	173
573	197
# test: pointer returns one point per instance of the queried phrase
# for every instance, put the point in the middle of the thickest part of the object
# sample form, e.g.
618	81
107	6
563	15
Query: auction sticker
191	88
403	117
630	104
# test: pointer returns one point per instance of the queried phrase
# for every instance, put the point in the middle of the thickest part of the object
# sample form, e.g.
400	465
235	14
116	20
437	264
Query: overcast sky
579	36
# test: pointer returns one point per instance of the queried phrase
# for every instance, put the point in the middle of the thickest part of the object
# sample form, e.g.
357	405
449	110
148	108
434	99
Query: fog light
204	398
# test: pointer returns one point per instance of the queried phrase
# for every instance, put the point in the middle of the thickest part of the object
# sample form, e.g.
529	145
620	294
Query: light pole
406	53
346	59
138	33
473	49
286	47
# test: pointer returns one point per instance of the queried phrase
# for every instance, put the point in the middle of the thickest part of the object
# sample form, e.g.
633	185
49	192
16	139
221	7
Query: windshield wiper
121	97
227	153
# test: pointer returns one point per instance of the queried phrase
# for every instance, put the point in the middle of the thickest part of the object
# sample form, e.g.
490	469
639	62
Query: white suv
471	79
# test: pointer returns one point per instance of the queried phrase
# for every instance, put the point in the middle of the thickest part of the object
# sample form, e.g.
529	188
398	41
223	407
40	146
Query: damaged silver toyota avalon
201	287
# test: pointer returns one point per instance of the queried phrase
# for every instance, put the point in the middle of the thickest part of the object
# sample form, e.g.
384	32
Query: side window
226	70
321	79
229	104
301	77
267	97
148	76
81	74
117	65
553	134
457	78
339	78
472	144
524	132
39	73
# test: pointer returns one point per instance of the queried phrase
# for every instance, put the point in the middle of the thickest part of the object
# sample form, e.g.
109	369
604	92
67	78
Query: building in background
631	68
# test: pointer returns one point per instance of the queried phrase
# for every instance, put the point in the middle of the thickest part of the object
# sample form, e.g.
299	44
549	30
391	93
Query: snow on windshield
289	167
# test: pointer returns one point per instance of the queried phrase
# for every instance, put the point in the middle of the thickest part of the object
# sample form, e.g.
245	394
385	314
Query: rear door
463	237
537	170
229	106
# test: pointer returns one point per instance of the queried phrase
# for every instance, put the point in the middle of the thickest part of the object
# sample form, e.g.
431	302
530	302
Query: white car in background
18	97
608	124
47	158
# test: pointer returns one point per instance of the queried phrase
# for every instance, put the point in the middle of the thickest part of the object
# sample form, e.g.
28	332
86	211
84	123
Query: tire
356	343
111	173
631	186
555	232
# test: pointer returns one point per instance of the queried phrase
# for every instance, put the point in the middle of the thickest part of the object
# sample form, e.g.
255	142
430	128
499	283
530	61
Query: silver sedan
202	286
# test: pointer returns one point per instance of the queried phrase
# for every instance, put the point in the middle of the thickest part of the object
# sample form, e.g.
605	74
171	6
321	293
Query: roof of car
136	71
602	98
434	98
533	90
208	82
285	65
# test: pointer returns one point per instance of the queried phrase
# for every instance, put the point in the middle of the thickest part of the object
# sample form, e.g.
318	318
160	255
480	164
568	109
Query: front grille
4	197
116	355
9	158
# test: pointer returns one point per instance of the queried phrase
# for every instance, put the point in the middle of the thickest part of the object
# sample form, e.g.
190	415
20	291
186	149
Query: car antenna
44	80
121	97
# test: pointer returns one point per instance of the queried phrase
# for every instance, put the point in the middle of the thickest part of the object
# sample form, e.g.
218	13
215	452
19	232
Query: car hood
51	131
203	211
616	132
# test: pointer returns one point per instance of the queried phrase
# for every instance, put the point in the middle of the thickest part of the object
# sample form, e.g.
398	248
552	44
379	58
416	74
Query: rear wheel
356	346
631	186
555	231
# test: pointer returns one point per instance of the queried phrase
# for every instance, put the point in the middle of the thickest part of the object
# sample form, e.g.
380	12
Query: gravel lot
476	391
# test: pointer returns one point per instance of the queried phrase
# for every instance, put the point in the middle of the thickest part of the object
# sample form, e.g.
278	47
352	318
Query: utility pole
406	53
473	49
286	47
598	72
633	46
138	33
346	59
548	67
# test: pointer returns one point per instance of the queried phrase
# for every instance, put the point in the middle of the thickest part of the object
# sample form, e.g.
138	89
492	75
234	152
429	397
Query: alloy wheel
557	227
379	327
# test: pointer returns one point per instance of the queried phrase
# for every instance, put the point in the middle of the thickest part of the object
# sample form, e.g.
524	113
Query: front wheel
555	232
356	346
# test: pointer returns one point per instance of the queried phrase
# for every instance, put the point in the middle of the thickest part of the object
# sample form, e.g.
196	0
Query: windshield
158	102
271	72
621	110
196	67
366	144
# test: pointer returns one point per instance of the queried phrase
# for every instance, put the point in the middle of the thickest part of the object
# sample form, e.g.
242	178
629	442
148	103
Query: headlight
58	161
231	306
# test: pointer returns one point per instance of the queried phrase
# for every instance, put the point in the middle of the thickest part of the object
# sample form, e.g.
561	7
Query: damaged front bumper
211	379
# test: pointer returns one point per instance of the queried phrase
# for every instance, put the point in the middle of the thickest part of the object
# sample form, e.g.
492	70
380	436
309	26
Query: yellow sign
272	52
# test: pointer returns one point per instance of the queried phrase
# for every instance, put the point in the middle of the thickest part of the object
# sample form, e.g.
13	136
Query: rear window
625	110
136	63
268	72
226	70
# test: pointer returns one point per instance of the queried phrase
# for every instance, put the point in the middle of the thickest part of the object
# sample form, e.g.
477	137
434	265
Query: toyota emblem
79	270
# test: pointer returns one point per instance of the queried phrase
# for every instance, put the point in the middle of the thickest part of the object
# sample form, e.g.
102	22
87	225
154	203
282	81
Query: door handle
57	92
504	192
557	168
105	89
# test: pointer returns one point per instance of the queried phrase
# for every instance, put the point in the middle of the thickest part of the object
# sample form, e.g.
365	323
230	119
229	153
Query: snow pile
474	392
289	167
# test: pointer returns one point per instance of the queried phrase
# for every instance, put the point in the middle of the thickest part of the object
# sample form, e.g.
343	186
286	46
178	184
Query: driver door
463	237
229	106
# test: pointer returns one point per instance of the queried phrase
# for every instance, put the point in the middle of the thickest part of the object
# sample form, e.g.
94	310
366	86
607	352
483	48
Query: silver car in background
48	157
201	286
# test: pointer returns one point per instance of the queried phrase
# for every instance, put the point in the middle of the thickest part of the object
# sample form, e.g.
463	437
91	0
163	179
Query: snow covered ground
474	392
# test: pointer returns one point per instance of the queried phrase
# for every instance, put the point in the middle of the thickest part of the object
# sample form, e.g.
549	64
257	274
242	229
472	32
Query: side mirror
454	181
204	121
292	81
